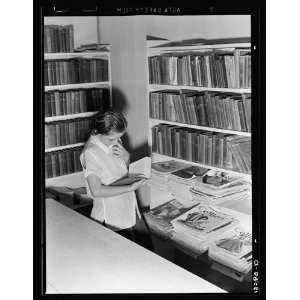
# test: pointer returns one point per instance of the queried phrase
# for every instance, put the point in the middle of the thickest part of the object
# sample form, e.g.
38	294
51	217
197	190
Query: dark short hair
109	121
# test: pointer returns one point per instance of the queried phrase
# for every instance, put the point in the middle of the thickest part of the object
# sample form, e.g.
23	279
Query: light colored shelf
196	47
160	157
85	85
67	55
71	180
63	147
68	117
158	121
159	87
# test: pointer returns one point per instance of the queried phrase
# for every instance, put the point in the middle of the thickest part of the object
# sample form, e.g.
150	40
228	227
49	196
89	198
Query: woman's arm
99	190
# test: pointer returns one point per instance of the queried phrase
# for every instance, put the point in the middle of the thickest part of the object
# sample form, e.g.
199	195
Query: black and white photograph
150	124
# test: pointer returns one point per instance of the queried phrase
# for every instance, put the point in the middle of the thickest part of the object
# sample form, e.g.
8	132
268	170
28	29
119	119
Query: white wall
85	28
185	27
127	36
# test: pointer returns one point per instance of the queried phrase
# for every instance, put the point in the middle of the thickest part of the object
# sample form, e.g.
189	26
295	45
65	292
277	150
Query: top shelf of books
161	87
158	50
87	54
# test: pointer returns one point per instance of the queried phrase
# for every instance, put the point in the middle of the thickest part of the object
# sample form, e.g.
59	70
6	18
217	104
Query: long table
83	256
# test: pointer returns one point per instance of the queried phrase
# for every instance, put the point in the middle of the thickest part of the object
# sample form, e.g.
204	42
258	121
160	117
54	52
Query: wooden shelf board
72	116
67	55
157	121
158	87
63	147
161	157
83	85
153	50
70	180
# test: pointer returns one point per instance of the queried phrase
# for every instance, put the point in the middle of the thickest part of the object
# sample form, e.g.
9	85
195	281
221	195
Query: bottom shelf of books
203	211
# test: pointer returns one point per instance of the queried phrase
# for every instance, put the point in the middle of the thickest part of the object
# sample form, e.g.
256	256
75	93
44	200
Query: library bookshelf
171	111
76	178
190	50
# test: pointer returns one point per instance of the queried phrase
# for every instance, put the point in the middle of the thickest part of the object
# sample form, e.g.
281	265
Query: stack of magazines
195	228
219	187
159	218
233	249
180	182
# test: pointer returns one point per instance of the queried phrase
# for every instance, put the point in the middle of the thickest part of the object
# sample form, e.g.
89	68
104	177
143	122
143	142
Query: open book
138	170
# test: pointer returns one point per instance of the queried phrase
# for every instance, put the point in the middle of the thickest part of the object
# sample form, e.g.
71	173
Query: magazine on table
236	243
169	210
205	219
190	172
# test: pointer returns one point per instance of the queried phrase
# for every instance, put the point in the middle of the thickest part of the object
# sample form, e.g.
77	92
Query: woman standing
105	160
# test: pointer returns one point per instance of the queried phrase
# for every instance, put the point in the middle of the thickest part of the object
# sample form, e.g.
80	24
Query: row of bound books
62	162
58	103
58	38
67	132
75	70
228	68
210	148
218	110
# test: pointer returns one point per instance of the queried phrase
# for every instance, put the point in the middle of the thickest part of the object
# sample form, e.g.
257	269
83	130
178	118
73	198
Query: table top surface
83	256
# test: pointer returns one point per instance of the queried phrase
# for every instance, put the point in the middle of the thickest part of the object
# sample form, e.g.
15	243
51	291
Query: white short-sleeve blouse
118	212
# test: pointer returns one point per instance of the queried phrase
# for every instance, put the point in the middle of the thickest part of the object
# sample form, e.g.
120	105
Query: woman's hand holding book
137	184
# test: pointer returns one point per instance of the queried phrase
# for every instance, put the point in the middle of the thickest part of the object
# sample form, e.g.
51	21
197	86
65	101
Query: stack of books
62	162
195	228
58	38
68	102
219	187
75	70
159	218
224	68
233	249
219	110
67	132
209	148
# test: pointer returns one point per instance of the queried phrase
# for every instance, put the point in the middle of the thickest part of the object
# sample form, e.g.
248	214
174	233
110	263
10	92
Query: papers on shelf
159	218
217	188
198	225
